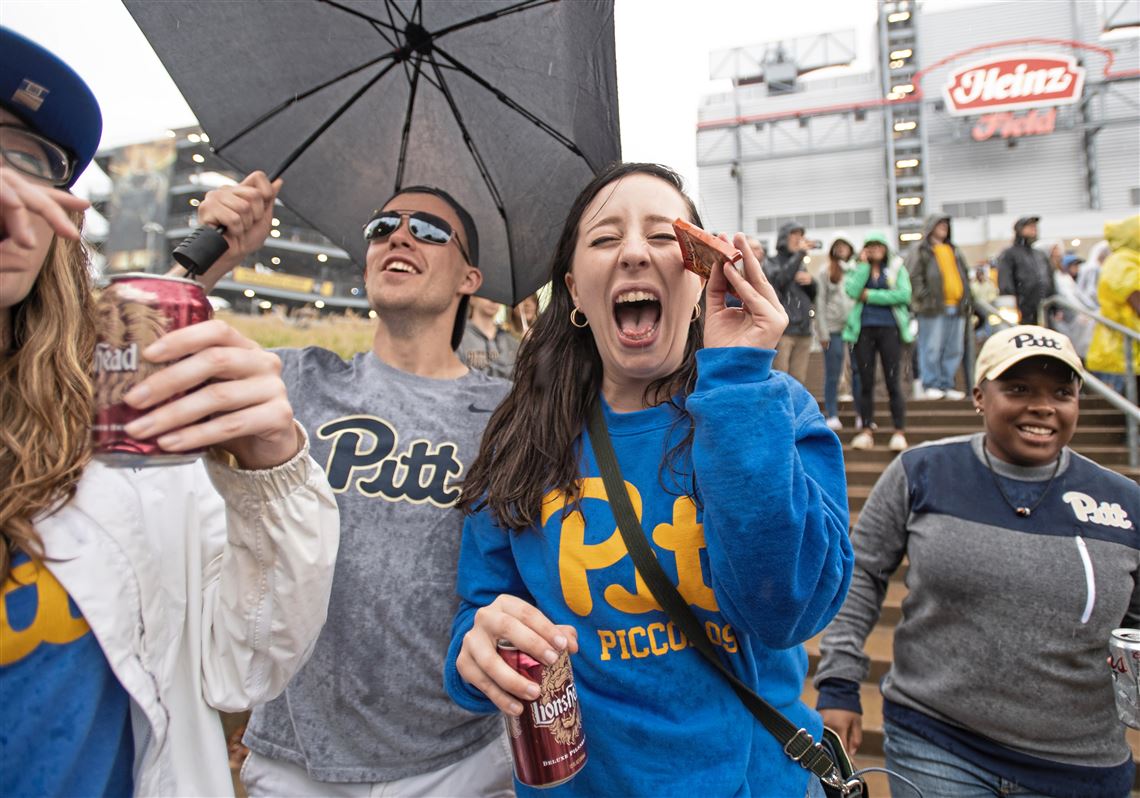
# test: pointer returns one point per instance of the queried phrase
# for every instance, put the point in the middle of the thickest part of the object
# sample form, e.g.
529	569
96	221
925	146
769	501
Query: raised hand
761	320
246	211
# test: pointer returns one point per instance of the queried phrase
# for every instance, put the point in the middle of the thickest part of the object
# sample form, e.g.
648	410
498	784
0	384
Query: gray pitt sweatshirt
369	706
1005	628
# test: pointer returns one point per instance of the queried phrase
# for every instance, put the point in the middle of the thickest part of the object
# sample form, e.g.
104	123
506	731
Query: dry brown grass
342	335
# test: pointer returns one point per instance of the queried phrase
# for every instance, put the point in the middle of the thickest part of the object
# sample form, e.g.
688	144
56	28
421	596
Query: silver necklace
1022	511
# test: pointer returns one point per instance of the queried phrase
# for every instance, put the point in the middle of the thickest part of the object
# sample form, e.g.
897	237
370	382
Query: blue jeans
939	773
941	340
833	358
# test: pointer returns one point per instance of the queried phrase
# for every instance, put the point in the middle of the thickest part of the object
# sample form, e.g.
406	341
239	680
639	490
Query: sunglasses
425	227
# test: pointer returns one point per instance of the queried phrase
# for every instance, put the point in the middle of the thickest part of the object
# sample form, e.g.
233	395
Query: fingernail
550	657
155	350
170	441
532	691
516	709
139	427
560	641
138	395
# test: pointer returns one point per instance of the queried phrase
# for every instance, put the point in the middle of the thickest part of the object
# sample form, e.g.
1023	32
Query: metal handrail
1128	408
1129	338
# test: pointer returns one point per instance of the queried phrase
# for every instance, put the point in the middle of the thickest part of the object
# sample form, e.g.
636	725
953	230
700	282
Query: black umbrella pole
201	249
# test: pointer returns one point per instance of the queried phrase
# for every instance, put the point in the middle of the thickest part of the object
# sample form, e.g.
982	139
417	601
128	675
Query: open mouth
399	266
637	314
1036	433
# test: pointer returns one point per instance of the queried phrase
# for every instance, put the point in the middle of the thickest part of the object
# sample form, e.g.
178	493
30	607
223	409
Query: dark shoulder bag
826	759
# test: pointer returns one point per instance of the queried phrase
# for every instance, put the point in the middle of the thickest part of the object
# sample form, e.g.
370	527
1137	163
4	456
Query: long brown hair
46	397
533	441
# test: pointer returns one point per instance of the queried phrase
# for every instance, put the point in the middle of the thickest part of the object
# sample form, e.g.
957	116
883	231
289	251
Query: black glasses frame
416	216
64	156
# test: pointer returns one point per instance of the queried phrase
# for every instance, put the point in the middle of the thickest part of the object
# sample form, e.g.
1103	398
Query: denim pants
941	340
833	360
939	773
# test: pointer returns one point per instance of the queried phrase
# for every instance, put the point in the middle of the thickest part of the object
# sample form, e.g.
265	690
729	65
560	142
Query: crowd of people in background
911	313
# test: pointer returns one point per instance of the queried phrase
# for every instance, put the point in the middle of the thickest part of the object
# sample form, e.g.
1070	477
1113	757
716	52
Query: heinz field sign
1011	83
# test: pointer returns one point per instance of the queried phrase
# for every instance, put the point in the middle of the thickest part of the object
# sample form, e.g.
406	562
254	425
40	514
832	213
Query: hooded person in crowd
1118	290
796	289
940	297
879	324
1024	271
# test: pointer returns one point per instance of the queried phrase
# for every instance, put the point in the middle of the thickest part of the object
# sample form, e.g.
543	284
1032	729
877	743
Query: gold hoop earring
696	312
585	321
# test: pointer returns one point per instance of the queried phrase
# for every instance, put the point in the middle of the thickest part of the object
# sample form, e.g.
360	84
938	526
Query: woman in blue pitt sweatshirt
737	480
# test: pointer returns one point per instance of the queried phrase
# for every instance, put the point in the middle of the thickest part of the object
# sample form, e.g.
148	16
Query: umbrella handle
201	249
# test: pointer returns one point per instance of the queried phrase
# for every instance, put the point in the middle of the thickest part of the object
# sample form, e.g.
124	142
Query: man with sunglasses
396	428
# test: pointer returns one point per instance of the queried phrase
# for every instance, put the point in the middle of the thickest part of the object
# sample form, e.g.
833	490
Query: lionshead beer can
1124	649
547	740
132	312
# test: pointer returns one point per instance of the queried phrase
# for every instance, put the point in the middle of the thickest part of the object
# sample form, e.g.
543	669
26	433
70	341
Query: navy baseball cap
49	97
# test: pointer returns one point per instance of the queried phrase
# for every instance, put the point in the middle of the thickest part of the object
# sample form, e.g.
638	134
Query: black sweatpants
885	341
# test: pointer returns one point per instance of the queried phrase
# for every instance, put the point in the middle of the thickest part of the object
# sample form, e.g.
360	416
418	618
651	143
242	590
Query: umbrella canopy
509	106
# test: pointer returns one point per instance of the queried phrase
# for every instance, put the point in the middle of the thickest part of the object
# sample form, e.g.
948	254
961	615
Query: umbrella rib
525	5
496	197
390	6
512	104
405	134
296	98
304	145
359	14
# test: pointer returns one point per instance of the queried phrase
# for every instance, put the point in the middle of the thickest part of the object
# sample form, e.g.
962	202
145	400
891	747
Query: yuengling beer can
132	312
1124	649
547	740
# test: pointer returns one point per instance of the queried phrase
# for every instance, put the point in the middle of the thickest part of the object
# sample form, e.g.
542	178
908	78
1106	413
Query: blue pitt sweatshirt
762	556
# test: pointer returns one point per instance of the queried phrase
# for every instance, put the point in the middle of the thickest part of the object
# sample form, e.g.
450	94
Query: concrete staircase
1099	436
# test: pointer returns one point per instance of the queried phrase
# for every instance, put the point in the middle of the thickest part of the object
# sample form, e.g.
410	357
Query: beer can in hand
547	741
132	312
1124	650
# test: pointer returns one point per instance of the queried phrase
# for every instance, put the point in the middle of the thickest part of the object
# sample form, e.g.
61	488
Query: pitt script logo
1089	510
52	621
684	538
364	455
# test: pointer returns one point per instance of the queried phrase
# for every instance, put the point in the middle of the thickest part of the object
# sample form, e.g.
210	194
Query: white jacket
198	604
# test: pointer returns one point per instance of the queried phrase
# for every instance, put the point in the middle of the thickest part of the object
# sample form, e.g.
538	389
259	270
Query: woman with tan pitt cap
1023	557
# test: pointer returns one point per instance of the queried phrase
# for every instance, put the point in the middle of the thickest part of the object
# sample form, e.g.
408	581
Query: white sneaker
846	397
864	440
898	442
934	393
834	423
955	394
917	389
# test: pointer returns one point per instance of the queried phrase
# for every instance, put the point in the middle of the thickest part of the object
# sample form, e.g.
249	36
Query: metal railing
1125	404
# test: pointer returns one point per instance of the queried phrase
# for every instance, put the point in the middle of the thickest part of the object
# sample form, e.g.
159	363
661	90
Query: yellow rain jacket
1119	278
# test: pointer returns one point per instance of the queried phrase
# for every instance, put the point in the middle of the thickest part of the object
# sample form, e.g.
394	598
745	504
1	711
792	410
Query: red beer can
547	740
132	312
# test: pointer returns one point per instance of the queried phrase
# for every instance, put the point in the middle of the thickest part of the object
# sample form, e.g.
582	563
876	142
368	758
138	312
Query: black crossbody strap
797	743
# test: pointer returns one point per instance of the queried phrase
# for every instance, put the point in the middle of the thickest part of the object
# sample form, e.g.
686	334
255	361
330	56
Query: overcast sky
662	50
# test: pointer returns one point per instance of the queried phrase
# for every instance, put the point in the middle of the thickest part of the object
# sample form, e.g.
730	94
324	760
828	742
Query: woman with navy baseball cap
132	603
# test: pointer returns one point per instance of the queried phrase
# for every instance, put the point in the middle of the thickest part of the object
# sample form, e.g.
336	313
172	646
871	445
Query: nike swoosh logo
471	408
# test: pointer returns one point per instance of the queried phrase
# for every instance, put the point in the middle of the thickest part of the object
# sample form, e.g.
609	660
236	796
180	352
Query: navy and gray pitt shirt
1000	653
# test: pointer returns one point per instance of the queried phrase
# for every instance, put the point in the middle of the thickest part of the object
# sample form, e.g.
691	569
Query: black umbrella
511	106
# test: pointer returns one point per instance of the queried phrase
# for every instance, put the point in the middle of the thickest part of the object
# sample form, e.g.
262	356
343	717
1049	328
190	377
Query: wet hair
532	444
46	397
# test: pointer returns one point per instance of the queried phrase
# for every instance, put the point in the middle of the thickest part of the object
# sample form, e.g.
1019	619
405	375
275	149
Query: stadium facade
984	112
